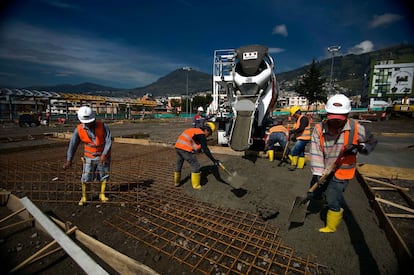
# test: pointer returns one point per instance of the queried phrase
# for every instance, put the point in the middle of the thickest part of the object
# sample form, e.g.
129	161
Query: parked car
29	120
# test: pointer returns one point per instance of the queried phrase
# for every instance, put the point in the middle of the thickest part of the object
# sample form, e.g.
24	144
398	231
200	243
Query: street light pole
186	68
332	50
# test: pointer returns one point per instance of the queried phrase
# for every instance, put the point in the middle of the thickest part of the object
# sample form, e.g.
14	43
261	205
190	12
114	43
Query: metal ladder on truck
224	63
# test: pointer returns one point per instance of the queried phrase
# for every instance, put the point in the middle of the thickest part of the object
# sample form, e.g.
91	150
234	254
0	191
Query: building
391	81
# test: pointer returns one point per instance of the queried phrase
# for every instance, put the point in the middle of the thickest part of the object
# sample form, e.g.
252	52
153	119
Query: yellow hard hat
211	125
293	110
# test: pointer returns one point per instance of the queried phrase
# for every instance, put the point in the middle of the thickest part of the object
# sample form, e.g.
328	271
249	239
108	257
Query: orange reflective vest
95	148
347	167
279	128
306	134
185	140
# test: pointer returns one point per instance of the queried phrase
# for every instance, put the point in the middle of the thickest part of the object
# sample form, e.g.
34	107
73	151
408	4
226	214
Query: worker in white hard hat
96	138
335	143
300	134
199	119
189	143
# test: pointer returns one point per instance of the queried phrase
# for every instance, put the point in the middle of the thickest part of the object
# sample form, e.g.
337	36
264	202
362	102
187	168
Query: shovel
233	178
300	205
283	159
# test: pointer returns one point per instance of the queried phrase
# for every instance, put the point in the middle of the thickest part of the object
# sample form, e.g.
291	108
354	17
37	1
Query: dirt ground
359	246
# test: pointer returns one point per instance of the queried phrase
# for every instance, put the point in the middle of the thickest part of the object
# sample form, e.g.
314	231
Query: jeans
276	137
189	157
334	193
299	148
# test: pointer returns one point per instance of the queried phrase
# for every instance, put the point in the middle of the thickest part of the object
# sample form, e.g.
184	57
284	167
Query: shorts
93	169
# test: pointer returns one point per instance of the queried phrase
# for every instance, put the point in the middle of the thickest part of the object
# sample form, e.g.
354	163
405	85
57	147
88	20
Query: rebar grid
208	239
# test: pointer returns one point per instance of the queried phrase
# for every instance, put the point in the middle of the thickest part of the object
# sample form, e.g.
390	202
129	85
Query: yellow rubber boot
195	180
271	155
293	160
301	163
333	219
83	198
177	178
102	197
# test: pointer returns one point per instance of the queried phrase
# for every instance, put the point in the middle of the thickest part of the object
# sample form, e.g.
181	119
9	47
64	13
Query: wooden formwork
390	191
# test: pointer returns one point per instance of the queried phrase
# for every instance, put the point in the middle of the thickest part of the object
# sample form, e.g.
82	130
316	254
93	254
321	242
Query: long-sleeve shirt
202	140
322	158
75	140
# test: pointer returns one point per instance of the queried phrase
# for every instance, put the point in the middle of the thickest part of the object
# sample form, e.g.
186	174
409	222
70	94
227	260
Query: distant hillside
175	83
349	70
348	73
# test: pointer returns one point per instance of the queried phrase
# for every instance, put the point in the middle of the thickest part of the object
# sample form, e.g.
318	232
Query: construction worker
199	119
190	142
336	140
277	134
97	151
300	134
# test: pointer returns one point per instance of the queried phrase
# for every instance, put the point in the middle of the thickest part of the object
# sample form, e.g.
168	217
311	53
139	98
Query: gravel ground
358	247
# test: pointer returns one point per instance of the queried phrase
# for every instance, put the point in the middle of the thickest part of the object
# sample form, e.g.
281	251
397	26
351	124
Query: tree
312	85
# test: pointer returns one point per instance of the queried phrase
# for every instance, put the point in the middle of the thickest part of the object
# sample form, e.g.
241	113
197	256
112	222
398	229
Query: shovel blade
299	209
235	180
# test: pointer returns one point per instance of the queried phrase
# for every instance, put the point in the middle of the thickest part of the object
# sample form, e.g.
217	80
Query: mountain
348	73
175	83
349	70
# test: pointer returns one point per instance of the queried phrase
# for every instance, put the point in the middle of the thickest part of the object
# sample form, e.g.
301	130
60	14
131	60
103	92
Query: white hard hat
86	115
200	109
338	104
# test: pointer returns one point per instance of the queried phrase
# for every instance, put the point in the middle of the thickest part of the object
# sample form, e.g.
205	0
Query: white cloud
276	50
85	56
280	29
385	19
363	47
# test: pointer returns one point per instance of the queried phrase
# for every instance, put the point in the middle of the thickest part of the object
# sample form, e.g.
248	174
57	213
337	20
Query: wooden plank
403	216
380	171
74	251
395	205
387	184
118	261
37	254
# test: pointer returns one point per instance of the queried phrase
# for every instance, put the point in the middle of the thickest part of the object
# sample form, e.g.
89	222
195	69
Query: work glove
362	148
217	162
353	149
315	179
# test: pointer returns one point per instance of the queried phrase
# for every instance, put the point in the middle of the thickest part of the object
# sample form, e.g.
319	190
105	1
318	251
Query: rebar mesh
208	239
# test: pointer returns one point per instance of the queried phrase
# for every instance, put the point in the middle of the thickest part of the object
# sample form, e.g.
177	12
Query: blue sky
132	43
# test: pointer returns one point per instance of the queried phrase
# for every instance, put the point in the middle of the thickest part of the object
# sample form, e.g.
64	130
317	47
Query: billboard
402	80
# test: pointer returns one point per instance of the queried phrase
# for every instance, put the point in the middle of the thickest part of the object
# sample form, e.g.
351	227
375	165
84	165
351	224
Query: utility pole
186	68
332	50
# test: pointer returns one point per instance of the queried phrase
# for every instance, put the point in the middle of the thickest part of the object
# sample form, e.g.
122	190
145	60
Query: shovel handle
221	165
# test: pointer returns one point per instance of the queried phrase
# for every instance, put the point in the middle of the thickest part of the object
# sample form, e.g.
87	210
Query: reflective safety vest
306	134
280	129
185	140
92	148
347	167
